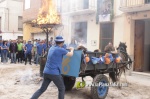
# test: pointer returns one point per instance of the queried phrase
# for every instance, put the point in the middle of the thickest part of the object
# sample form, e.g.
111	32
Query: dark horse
124	65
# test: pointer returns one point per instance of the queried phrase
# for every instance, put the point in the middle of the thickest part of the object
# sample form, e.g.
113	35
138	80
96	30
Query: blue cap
59	39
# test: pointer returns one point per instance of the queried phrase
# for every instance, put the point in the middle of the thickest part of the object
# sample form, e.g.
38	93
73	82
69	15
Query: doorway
20	37
106	34
142	46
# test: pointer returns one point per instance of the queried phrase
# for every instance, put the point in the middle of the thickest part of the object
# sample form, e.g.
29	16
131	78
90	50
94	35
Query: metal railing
133	3
78	5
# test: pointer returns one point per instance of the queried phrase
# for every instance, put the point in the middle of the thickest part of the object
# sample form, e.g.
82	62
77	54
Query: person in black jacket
13	51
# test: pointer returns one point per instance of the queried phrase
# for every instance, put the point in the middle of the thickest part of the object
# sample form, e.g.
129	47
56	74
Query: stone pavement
17	77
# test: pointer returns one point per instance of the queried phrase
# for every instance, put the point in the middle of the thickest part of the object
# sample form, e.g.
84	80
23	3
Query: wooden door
106	34
139	45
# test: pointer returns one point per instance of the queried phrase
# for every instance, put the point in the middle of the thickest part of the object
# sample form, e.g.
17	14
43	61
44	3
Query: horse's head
122	47
82	48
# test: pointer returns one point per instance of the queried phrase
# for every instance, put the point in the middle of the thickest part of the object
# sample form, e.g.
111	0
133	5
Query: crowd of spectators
21	51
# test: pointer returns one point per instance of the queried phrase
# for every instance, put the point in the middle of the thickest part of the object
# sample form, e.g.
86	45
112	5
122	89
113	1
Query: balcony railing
134	5
73	6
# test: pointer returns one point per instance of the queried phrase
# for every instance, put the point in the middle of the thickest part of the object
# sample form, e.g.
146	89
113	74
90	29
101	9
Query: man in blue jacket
28	52
39	51
52	70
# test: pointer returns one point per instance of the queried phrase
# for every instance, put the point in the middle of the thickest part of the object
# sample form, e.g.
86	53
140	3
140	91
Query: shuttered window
147	1
85	4
20	24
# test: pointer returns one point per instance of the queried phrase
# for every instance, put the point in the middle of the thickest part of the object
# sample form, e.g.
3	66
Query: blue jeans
58	81
37	58
13	57
1	56
28	56
5	58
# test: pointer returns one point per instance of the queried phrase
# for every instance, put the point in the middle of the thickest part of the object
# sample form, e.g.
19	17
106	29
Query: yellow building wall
28	29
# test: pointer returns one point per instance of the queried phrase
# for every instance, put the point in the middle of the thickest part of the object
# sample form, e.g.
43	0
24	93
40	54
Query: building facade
94	23
11	26
30	13
136	17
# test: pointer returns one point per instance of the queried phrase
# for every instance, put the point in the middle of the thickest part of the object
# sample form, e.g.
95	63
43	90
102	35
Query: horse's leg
119	77
109	79
125	75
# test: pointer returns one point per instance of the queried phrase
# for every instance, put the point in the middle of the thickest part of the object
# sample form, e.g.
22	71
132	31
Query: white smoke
75	25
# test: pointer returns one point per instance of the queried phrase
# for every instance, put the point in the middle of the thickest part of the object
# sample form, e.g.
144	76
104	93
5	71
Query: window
27	4
85	4
20	37
107	33
20	24
147	1
80	32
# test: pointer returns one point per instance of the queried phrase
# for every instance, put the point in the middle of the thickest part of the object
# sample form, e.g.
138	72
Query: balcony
134	5
78	7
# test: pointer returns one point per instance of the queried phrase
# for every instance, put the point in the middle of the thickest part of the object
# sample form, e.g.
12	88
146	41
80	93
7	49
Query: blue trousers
4	57
13	57
29	56
58	81
1	56
37	58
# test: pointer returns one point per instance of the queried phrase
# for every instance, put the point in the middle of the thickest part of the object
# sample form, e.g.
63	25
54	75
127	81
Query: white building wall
3	4
9	12
92	30
15	10
119	26
93	34
3	15
116	8
118	30
12	36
